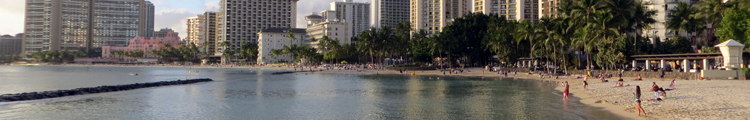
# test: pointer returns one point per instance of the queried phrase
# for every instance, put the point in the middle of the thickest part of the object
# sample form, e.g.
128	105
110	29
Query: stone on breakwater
88	90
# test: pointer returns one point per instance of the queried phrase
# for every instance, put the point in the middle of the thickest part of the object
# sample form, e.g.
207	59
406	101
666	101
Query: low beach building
146	44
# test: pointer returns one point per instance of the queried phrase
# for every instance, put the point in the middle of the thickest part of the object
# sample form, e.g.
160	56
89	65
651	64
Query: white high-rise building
659	29
511	9
318	26
201	31
239	20
433	15
276	38
355	15
84	24
389	12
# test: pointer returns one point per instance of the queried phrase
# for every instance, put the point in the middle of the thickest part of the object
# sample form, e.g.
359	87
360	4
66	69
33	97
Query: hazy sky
169	13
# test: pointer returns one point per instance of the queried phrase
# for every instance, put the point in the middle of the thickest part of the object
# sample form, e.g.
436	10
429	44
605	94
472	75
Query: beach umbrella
344	62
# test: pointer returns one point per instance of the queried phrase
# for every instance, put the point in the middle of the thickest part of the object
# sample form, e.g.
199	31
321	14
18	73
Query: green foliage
735	25
182	53
745	70
710	50
57	56
248	51
298	52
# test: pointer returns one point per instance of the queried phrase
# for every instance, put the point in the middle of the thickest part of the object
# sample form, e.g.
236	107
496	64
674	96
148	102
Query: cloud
13	16
174	19
211	6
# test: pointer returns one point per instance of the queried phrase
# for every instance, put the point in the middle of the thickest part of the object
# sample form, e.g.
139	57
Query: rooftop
283	30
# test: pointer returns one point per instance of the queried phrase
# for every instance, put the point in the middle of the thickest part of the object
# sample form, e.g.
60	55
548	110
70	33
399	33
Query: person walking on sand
638	101
585	85
567	88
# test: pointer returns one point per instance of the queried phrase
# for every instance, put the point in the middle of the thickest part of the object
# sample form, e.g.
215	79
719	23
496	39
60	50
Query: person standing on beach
585	85
565	93
661	75
638	101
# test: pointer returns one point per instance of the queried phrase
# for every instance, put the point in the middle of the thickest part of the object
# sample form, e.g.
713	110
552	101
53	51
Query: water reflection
240	94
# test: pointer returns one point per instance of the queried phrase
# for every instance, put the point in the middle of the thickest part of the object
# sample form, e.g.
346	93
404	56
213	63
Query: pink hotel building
147	44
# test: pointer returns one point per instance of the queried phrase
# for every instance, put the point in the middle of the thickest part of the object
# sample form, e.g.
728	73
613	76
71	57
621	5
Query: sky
169	13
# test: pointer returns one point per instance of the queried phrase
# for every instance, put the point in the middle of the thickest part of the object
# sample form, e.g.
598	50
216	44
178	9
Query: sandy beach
690	99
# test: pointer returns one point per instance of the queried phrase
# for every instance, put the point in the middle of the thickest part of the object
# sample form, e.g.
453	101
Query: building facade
658	31
11	45
548	8
148	19
511	9
389	12
239	20
201	31
145	44
276	38
355	15
82	24
433	15
193	29
317	27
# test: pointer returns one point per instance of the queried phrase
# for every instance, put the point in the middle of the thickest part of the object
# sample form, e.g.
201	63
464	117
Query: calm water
254	94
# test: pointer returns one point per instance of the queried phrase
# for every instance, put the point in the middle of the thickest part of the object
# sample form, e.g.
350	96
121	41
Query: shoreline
693	99
584	98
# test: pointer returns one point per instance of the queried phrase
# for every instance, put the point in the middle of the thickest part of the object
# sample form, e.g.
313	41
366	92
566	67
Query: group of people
659	92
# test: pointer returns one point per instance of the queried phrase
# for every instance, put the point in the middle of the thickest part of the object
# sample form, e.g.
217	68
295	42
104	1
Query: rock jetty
90	90
279	73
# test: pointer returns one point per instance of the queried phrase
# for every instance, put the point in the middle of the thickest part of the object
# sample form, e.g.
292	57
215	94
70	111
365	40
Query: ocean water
256	94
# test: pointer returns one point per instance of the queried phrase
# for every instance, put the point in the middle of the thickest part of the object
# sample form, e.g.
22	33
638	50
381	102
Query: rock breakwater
90	90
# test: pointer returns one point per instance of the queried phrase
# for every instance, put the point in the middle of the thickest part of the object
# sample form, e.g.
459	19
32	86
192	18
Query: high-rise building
11	45
149	10
201	31
82	24
511	9
239	20
193	29
659	29
389	12
318	26
355	15
548	8
433	15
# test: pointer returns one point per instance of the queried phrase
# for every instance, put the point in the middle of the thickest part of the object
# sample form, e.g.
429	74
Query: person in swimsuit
620	83
638	101
639	77
671	85
585	85
565	93
654	87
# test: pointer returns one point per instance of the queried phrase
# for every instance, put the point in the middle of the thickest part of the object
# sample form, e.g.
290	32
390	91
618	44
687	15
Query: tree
735	25
228	53
713	10
526	32
683	18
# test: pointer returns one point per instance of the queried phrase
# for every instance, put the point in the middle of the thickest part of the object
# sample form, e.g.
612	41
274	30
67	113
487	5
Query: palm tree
713	10
227	52
583	11
526	31
366	42
641	19
683	19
